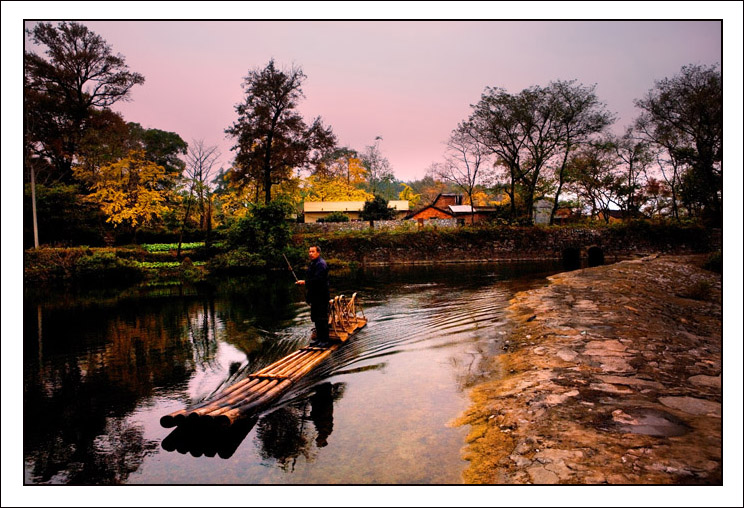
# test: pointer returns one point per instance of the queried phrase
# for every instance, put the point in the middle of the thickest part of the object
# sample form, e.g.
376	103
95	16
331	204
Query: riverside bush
106	266
51	264
265	232
236	261
82	265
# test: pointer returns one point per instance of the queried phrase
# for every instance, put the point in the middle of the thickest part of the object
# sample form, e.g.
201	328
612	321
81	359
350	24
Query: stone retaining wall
447	245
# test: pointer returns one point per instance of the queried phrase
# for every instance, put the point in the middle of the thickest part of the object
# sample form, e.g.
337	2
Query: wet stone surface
613	376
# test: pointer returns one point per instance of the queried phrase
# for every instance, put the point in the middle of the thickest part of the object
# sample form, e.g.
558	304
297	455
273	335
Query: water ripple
420	321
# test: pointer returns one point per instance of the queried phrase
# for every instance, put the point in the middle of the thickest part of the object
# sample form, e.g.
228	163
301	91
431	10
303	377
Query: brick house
449	206
439	208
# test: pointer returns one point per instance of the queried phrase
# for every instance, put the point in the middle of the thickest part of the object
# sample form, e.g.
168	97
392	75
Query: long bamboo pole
280	370
281	361
226	400
257	388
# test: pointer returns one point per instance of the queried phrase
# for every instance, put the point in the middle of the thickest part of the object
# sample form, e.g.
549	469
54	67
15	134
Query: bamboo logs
266	385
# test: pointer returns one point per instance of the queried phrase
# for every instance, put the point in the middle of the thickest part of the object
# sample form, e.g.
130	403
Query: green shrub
335	217
377	209
236	261
264	232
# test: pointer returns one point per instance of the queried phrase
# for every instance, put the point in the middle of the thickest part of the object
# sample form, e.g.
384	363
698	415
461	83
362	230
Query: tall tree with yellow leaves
126	190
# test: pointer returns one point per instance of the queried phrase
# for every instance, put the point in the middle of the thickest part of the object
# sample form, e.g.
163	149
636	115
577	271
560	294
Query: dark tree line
549	142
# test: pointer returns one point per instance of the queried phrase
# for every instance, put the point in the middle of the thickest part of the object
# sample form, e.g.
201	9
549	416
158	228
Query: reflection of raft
266	385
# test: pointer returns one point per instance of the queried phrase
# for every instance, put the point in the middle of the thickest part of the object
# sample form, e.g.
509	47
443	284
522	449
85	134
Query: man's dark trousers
319	316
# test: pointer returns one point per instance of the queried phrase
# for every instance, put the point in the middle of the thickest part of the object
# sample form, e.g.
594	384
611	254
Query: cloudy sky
409	82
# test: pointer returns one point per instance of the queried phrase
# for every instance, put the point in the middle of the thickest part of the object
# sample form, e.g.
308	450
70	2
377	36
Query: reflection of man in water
321	412
318	294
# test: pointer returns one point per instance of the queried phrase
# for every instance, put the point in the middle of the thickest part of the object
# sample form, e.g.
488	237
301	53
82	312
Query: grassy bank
346	249
109	265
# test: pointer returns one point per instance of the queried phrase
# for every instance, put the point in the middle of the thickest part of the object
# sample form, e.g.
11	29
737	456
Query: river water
101	368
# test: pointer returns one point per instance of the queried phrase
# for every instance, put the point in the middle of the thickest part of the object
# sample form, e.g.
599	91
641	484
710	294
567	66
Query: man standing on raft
317	295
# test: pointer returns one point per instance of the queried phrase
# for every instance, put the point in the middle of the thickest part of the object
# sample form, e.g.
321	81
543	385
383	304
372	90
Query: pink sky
409	82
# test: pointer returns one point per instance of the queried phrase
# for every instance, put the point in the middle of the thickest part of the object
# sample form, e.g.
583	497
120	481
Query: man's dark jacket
316	283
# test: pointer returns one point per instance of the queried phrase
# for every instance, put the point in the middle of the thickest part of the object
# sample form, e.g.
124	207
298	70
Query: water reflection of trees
69	437
202	332
89	363
85	372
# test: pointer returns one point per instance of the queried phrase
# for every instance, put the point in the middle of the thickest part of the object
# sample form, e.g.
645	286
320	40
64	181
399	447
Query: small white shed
541	211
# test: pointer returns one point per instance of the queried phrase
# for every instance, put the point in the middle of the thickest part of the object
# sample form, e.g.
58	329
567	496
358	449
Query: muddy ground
612	376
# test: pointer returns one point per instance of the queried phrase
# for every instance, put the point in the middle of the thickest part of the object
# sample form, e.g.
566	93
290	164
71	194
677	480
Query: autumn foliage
126	190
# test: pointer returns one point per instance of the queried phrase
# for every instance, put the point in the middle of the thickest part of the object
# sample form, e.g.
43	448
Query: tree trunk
208	240
555	204
183	224
512	198
33	207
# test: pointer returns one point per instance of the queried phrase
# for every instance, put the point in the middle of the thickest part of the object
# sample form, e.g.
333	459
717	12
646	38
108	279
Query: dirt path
612	376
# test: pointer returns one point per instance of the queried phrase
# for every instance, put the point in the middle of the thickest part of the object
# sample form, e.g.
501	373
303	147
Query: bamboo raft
244	398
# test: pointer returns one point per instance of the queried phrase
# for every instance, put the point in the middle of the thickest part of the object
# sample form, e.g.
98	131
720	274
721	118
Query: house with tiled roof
449	206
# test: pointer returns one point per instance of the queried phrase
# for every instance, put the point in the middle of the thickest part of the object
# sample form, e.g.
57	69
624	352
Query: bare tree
634	157
379	172
666	145
463	161
592	176
200	162
497	121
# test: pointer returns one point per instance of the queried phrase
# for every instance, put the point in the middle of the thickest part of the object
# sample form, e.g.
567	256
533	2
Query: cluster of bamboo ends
266	385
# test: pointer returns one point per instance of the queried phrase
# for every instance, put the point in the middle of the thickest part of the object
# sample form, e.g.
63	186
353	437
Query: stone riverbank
611	376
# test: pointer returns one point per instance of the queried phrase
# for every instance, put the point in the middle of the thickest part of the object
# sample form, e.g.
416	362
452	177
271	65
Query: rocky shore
611	376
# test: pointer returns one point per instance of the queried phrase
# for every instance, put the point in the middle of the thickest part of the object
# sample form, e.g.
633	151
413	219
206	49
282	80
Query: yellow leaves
236	203
349	168
126	190
320	188
502	199
408	194
356	172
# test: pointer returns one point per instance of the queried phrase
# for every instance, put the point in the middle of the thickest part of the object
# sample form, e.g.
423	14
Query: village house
565	216
315	210
449	206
